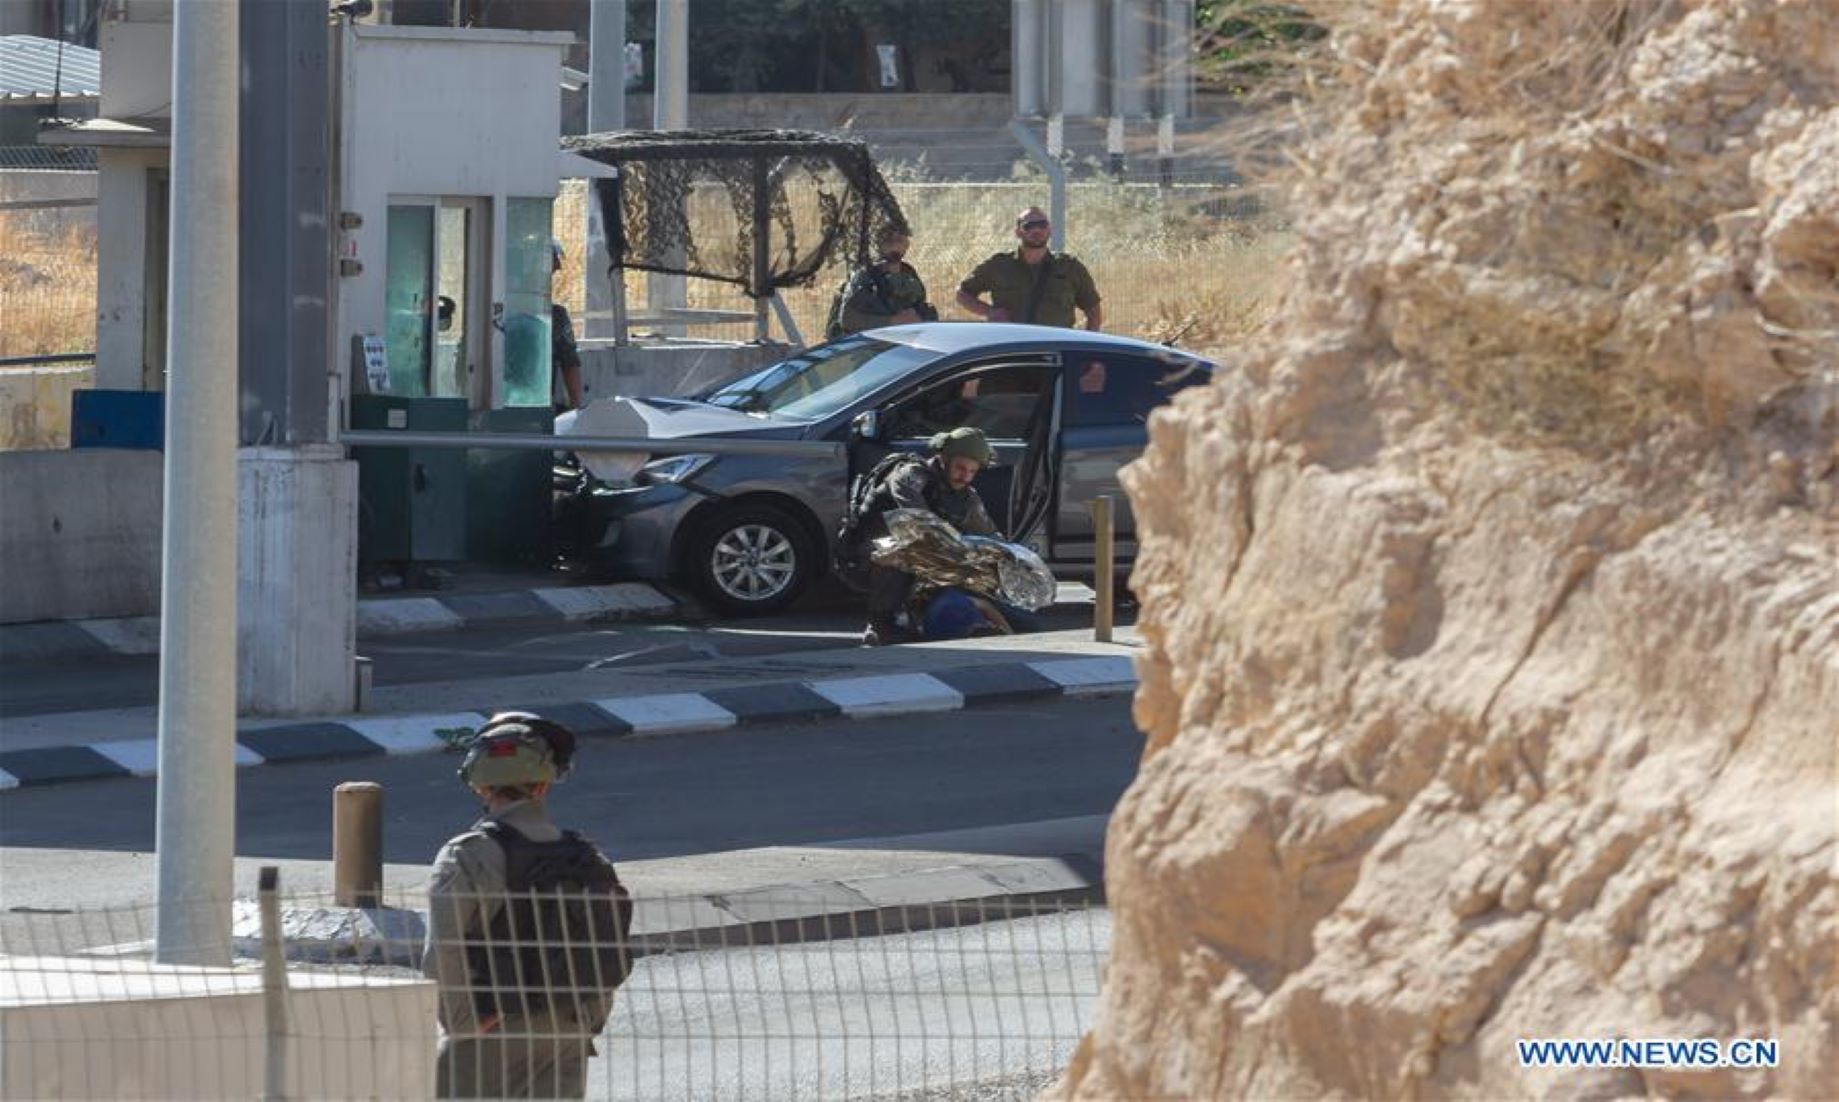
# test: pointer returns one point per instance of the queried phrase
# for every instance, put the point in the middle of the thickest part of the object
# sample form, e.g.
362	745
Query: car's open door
1031	492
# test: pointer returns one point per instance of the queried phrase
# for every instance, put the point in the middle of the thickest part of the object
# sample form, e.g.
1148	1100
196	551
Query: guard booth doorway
467	344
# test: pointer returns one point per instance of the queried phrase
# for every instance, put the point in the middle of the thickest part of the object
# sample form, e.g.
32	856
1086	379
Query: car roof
949	337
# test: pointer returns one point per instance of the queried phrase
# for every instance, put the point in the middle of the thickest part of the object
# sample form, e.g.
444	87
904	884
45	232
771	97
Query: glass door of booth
437	291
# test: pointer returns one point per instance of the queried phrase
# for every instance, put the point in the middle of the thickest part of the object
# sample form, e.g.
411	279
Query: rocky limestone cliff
1491	599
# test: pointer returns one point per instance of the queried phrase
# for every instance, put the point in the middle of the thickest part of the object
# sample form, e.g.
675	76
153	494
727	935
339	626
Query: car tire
750	560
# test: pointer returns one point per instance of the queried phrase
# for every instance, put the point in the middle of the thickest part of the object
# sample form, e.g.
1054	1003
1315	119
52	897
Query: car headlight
673	468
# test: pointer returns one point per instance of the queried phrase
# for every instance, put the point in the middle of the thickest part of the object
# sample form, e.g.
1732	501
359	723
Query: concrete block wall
664	370
79	534
35	404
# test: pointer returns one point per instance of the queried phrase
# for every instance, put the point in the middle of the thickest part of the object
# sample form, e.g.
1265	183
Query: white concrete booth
448	169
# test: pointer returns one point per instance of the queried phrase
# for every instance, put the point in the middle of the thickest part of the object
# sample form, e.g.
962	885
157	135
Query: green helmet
508	755
967	442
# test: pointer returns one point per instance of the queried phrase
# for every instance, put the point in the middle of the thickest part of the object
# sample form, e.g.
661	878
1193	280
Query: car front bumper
632	530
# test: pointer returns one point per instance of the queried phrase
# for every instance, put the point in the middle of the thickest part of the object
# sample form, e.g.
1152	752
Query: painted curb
649	715
376	617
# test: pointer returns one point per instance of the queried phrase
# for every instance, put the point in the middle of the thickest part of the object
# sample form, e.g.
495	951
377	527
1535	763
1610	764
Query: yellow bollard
357	844
1104	579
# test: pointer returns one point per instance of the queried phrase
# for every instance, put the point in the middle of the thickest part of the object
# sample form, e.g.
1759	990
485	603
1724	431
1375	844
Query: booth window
526	303
409	286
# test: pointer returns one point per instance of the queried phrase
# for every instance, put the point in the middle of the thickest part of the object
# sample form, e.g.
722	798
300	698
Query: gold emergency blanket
940	557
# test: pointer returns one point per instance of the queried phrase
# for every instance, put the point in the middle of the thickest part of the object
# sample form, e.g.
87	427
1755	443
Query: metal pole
357	844
1119	87
670	107
1171	59
274	987
762	247
549	442
1056	179
606	110
670	110
196	819
1104	581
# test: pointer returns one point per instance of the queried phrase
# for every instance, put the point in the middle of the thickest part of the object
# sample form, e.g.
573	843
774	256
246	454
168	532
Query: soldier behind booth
527	927
886	292
564	353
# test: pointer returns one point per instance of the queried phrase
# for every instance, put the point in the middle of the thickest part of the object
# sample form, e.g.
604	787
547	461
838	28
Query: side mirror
866	426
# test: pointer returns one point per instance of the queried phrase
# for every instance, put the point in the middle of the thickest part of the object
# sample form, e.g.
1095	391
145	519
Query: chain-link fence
766	994
47	278
1181	248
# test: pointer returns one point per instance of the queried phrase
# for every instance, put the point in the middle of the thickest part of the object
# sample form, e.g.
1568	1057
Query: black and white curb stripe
377	616
657	714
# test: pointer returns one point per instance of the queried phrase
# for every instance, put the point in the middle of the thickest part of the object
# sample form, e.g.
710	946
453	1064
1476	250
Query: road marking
1081	676
141	756
129	635
406	614
667	713
889	694
7	780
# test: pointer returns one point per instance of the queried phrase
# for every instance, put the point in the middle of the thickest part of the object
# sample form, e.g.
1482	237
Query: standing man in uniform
1033	285
513	903
564	353
886	292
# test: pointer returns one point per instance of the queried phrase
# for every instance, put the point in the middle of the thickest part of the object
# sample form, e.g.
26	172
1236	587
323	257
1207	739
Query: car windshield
818	383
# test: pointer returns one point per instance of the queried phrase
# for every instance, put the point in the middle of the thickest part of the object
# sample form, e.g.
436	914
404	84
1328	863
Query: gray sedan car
1064	409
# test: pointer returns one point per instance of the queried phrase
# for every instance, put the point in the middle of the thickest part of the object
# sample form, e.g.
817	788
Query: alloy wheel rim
753	562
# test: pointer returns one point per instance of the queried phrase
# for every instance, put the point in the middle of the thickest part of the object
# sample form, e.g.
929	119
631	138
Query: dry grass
1165	268
47	283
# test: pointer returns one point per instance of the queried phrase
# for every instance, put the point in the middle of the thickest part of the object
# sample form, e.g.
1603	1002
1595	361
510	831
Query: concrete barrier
79	534
35	404
666	369
73	1027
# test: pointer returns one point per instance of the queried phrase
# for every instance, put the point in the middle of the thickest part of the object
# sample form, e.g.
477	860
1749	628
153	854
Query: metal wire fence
780	995
47	279
1197	255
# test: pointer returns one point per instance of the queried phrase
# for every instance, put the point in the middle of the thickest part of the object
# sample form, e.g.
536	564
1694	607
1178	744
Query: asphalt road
814	784
824	621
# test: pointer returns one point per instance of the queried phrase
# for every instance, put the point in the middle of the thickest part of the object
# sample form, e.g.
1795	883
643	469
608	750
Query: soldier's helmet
517	748
967	443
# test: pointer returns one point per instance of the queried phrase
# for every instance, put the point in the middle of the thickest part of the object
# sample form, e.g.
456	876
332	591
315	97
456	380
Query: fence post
274	987
357	844
1104	579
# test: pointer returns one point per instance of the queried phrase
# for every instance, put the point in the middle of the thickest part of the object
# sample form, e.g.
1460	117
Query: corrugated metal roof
30	69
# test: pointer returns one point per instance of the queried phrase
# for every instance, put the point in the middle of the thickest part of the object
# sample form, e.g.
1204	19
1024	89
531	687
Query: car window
1000	401
1112	389
821	381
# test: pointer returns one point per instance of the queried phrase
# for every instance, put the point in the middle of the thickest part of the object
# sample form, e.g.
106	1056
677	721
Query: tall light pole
606	110
196	832
670	110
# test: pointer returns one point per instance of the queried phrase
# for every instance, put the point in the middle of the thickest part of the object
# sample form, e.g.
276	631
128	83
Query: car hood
661	419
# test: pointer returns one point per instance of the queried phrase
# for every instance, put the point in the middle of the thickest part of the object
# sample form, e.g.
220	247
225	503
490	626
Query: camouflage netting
696	202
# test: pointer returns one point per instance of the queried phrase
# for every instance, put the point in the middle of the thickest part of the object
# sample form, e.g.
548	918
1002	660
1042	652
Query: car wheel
753	559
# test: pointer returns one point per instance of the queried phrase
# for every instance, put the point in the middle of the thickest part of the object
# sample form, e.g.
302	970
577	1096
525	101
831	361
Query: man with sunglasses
1033	285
